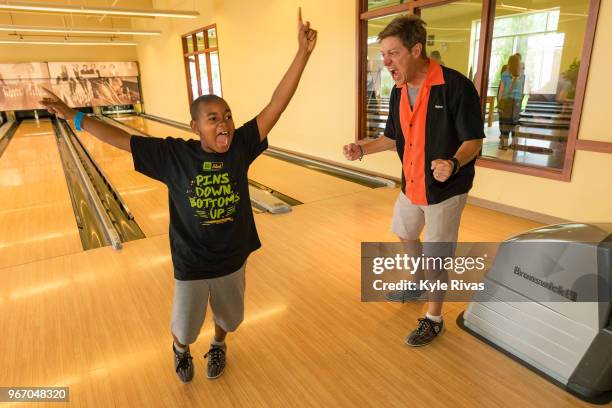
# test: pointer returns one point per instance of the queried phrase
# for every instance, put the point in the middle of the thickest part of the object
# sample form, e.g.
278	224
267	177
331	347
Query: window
533	70
527	58
201	55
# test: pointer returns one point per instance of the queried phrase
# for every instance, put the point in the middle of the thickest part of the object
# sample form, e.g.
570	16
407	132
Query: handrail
337	169
166	121
295	158
111	233
120	125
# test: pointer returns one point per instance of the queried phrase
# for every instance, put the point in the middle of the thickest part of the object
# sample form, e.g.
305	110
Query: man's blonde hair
410	29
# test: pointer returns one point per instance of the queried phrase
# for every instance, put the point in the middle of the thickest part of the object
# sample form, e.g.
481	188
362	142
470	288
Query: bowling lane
35	209
146	198
298	182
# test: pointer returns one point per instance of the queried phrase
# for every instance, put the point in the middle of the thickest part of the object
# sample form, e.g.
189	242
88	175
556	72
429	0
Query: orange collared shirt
413	122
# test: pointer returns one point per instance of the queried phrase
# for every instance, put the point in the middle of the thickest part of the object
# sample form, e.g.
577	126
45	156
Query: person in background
510	98
564	87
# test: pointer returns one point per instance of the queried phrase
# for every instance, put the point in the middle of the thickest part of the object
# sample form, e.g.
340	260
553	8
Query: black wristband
456	165
361	151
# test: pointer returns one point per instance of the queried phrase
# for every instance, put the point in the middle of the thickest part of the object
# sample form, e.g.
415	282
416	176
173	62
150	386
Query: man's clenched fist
442	169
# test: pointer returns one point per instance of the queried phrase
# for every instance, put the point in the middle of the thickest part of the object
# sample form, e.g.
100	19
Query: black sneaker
183	365
404	296
216	361
426	331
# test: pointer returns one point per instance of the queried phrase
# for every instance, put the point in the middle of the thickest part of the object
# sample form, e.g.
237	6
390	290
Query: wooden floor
98	322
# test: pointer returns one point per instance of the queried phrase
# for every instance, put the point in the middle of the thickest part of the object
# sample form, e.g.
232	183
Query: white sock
436	319
180	349
217	343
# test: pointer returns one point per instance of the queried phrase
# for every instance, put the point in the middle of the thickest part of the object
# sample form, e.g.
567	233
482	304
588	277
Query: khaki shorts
191	298
441	221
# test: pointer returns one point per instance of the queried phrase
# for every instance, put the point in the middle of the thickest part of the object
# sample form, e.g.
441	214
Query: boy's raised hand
55	105
307	37
267	118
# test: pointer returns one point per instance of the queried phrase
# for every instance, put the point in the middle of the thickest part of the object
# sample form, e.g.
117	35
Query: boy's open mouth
223	139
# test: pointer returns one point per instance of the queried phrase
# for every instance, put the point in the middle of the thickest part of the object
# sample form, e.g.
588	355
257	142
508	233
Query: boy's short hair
410	29
194	109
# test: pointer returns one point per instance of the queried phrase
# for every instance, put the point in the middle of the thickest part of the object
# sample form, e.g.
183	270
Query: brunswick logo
212	166
558	289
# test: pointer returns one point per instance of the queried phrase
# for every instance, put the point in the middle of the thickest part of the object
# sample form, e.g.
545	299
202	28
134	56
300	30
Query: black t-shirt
212	230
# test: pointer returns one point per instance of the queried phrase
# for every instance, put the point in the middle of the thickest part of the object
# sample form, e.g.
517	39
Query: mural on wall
79	84
92	69
27	70
22	94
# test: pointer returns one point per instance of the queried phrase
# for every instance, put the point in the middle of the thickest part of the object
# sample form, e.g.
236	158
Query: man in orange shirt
436	125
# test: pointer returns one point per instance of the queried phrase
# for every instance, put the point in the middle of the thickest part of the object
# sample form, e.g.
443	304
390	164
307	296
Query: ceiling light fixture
76	30
46	42
66	8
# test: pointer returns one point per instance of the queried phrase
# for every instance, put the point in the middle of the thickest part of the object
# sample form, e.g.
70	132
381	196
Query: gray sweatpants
226	295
